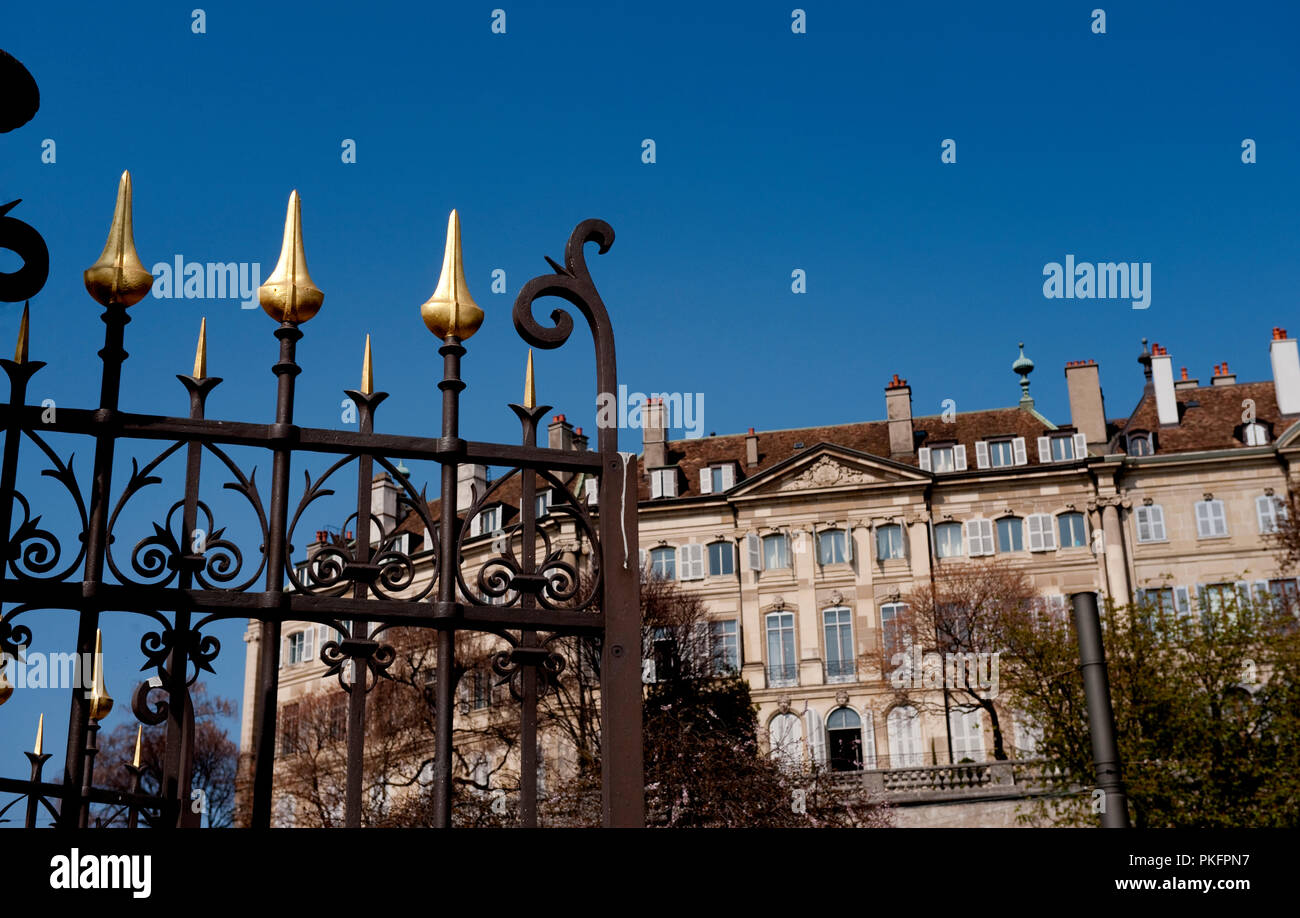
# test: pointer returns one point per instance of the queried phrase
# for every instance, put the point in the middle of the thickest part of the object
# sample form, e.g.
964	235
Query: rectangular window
776	554
288	729
889	542
839	645
722	559
947	540
894	636
1285	594
543	503
338	723
663	482
1211	521
1270	511
1001	453
298	647
782	668
942	460
1011	536
830	547
726	647
1062	449
482	689
663	563
1073	530
1150	523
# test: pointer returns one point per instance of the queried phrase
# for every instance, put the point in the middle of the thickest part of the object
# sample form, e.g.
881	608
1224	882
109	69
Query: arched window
947	540
830	547
1139	443
785	735
1073	530
1011	534
663	563
722	559
889	542
1254	434
844	737
776	551
905	738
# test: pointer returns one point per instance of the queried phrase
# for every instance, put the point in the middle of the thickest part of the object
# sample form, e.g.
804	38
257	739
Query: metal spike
100	702
289	294
118	275
20	352
201	352
367	371
139	733
40	734
530	387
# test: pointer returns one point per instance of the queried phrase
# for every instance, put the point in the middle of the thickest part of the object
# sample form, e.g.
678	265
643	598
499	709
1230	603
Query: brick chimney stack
579	440
654	434
1184	382
1285	357
1221	375
751	449
559	435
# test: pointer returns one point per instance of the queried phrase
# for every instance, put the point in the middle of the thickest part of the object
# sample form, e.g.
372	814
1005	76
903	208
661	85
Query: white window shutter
959	457
868	741
1018	449
981	454
1261	592
972	537
753	552
322	635
656	484
1144	524
1202	518
1243	592
284	651
1044	449
1218	518
309	645
640	557
706	480
923	458
816	730
1264	513
683	562
986	527
848	541
696	554
1035	522
1080	446
1157	522
1049	532
728	477
592	489
1182	600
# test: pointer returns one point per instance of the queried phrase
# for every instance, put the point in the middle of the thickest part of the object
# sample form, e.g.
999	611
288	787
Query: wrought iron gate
361	590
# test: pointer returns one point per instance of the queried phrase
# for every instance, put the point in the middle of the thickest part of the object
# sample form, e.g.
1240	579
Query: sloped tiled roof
1208	417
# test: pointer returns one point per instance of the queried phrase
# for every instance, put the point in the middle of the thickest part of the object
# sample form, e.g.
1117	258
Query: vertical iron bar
448	561
1101	717
112	354
34	794
528	639
286	371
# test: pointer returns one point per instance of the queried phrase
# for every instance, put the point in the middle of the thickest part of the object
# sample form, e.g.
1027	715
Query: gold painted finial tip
118	275
20	350
451	312
40	735
530	385
139	733
367	371
201	352
289	294
100	702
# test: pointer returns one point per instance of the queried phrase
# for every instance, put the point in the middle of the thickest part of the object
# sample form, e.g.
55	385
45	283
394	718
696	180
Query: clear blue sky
775	151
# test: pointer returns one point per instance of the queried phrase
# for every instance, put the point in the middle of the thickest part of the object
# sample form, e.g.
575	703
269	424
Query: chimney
579	440
898	410
751	449
471	481
1162	377
383	504
322	539
653	433
1282	353
1185	383
560	434
1222	377
1087	410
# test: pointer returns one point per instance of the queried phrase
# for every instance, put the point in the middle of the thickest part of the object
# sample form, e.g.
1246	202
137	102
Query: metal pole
1101	718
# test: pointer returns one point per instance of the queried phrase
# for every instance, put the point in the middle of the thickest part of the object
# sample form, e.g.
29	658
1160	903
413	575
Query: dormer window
543	503
717	478
946	457
1254	434
1140	443
488	520
1001	452
1062	447
663	482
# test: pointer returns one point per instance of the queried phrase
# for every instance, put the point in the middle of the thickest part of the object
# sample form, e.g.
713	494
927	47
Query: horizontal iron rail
303	439
97	794
291	607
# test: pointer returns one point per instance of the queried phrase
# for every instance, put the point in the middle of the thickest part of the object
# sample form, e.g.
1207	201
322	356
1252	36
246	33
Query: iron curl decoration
202	649
571	283
150	714
14	639
32	552
389	572
510	665
375	656
499	577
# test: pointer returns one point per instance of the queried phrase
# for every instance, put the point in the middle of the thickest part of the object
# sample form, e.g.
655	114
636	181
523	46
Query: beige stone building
804	542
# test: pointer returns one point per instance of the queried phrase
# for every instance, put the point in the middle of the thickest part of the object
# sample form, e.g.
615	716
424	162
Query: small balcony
841	670
781	675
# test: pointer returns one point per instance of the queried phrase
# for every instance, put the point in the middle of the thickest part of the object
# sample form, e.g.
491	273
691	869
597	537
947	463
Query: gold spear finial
201	352
40	734
530	387
139	732
118	274
100	703
367	371
451	311
288	294
20	351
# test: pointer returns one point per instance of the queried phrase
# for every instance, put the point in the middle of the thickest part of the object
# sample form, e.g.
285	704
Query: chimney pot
898	412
